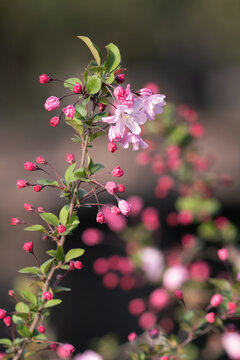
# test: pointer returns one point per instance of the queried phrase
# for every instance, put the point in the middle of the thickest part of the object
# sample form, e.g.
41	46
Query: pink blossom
196	130
61	229
216	300
114	222
52	103
143	158
41	160
3	313
47	295
77	88
135	140
41	329
158	299
100	218
145	92
152	263
54	121
185	217
223	254
28	207
120	78
37	188
17	221
136	306
153	105
153	333
174	277
165	183
92	236
231	344
127	283
172	219
22	183
88	355
8	321
231	307
136	203
111	187
101	266
44	79
112	147
30	166
69	111
132	337
65	351
117	171
210	317
28	246
110	280
152	86
124	96
70	158
188	241
147	320
114	133
179	294
121	188
124	207
150	218
200	270
115	210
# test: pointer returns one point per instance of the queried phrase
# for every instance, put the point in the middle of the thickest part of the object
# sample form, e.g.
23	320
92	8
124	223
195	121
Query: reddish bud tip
210	317
8	321
132	337
102	107
112	147
179	294
16	221
115	210
216	300
3	313
121	188
78	265
47	295
71	265
54	121
44	79
117	171
11	293
28	246
40	209
120	78
28	207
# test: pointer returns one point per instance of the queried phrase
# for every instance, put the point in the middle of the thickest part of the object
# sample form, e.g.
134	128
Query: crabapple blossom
69	111
135	140
52	103
153	105
223	254
78	265
124	96
30	166
61	229
117	172
111	187
3	313
231	344
132	337
179	294
47	295
28	207
37	188
120	78
77	89
115	210
100	218
196	130
88	355
54	121
65	351
44	79
70	158
28	246
150	218
41	160
17	221
92	236
136	203
210	317
159	298
216	300
152	263
121	188
136	306
174	277
41	329
22	183
112	147
124	207
8	321
147	320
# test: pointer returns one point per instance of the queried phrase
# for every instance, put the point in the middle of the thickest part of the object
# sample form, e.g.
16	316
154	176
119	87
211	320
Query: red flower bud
8	321
61	229
100	218
17	221
2	313
121	188
71	265
70	158
115	210
77	88
21	184
11	293
37	188
41	160
216	300
28	207
44	79
30	166
78	265
179	294
54	121
112	147
120	78
117	171
101	106
210	317
41	329
47	295
132	337
28	246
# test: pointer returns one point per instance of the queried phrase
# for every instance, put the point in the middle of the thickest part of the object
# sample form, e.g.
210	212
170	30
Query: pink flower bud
44	79
196	130
145	92
120	78
231	307
17	221
78	265
77	88
69	111
117	171
53	347
28	246
47	295
121	188
54	121
216	300
30	166
11	293
70	158
41	329
179	294
8	321
111	187
3	313
153	333
65	351
52	103
40	209
28	207
132	337
115	210
125	207
101	106
112	147
37	188
71	265
185	217
164	357
41	160
22	184
210	317
61	229
44	237
223	254
100	218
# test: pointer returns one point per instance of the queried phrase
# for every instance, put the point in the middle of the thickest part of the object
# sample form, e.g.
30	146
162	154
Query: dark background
189	47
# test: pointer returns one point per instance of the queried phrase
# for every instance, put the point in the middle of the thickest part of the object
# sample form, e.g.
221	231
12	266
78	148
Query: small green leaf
60	254
92	48
21	307
64	267
69	173
80	174
69	83
35	228
17	320
27	295
6	342
61	288
81	109
81	193
74	253
103	100
94	84
113	58
52	253
46	265
63	215
30	270
221	284
48	182
52	303
24	331
50	218
96	167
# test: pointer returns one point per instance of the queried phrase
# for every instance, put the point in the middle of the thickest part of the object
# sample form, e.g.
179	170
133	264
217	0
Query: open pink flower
69	111
153	105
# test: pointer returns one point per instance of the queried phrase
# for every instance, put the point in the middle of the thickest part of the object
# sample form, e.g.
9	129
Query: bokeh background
189	47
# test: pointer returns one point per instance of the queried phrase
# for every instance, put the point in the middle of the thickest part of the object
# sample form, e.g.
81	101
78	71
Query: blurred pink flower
92	236
174	277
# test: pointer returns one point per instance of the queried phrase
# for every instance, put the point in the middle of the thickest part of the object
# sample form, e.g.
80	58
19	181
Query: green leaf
113	58
63	215
24	331
69	174
80	174
64	267
94	84
60	254
48	182
52	253
61	288
46	265
220	284
82	110
30	270
69	83
21	307
81	193
50	218
74	253
6	342
52	303
110	79
96	167
103	100
92	48
17	320
35	228
29	296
